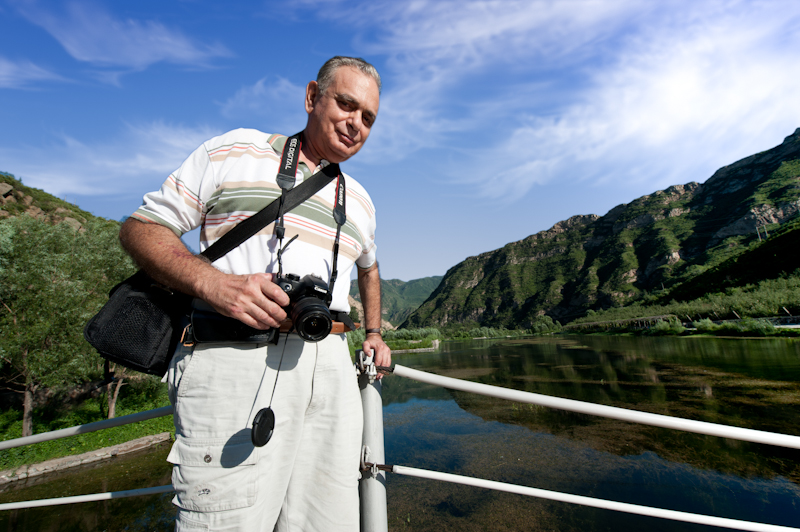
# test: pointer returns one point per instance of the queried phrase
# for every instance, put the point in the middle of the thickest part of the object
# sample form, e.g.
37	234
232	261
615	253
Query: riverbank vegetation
53	278
771	297
401	339
398	339
139	394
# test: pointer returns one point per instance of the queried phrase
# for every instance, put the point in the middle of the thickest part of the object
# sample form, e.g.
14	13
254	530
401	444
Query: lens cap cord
264	420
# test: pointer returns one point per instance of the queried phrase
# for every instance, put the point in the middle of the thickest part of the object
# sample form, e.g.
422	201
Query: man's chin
342	153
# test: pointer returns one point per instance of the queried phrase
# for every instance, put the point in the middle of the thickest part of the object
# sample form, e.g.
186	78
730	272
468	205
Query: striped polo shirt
230	178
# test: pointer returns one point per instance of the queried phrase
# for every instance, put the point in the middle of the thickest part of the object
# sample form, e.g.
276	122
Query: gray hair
325	76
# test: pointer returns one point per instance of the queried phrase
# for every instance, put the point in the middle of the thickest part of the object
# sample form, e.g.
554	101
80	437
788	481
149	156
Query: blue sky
498	118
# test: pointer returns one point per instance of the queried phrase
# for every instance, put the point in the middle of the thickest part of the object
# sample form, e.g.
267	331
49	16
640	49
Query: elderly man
306	476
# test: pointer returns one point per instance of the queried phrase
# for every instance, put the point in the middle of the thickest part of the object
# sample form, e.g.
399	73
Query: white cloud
457	33
637	92
441	57
139	158
21	74
681	100
90	34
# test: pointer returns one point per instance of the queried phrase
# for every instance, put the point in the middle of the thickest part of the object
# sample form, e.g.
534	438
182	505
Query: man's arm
369	286
252	299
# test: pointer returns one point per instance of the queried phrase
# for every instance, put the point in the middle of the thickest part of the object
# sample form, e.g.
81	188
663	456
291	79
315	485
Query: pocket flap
213	453
212	476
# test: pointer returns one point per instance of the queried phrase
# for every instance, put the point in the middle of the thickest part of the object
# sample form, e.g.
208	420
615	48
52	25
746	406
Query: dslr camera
309	300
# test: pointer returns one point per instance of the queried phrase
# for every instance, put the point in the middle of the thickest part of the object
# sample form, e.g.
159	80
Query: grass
137	397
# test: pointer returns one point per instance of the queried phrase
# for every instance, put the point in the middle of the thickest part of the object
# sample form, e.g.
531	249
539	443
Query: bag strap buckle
187	338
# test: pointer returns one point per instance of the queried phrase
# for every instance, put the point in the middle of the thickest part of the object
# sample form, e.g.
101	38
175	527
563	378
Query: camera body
309	300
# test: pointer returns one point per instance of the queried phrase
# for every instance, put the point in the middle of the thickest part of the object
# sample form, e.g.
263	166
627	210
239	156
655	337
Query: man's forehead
347	76
352	85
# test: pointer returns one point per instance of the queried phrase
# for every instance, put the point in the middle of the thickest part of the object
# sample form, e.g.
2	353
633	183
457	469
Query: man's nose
355	121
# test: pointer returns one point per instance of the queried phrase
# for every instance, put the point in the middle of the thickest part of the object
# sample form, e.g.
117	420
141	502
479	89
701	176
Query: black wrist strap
294	197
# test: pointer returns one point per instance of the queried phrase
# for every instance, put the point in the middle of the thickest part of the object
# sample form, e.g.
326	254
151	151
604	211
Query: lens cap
263	427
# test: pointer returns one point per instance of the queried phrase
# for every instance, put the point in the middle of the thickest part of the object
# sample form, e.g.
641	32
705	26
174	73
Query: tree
52	280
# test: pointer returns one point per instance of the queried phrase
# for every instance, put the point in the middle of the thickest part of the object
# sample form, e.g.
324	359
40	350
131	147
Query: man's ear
312	92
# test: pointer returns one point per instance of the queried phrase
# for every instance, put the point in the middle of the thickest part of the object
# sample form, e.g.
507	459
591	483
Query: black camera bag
142	323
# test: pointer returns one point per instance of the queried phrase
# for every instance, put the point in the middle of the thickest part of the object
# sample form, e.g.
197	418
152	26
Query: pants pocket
213	476
185	524
178	368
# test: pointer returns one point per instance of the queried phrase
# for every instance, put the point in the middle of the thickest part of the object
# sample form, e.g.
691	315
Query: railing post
372	487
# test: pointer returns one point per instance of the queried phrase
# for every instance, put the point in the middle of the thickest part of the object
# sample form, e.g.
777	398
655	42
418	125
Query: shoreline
67	462
431	349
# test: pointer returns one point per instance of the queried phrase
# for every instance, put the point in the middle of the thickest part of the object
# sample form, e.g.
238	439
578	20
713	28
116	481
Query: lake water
747	383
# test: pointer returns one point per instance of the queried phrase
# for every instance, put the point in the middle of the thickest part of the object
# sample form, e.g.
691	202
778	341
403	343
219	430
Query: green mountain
399	298
16	198
770	259
654	243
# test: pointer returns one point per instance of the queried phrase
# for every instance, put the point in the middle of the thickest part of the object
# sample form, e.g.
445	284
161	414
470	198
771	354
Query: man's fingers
382	353
270	317
272	291
252	299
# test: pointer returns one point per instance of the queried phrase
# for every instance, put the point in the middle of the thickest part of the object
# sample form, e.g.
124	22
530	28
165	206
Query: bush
749	327
705	326
545	325
413	334
670	327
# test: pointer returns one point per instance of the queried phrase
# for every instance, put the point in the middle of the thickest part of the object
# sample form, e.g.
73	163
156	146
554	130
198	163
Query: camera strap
263	425
340	217
286	178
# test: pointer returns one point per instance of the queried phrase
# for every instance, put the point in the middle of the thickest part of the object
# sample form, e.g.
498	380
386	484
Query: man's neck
308	154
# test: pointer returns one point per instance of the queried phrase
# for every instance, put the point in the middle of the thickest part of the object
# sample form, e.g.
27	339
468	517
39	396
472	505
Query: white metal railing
594	503
633	416
89	427
85	498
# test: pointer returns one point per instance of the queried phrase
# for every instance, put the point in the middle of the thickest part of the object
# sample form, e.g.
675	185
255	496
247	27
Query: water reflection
748	383
751	384
134	514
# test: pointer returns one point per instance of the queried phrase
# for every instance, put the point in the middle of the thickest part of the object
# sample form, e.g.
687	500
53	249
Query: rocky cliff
591	262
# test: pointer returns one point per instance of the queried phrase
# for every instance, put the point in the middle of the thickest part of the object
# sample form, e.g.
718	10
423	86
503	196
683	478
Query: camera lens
312	319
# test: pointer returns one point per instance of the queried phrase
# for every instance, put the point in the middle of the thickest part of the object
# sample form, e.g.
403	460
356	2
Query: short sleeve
180	202
369	251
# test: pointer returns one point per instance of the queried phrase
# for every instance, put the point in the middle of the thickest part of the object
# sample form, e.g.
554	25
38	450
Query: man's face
340	120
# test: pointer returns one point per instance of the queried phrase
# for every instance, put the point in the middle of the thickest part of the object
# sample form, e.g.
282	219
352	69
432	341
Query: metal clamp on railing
366	365
366	465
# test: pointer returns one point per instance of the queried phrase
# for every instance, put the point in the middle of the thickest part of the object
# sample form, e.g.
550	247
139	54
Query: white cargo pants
306	477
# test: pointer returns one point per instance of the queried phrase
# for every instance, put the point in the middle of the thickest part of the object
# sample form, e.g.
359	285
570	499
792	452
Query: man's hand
252	299
383	355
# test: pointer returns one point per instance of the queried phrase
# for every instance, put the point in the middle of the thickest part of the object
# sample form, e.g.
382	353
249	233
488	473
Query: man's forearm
253	299
369	286
160	253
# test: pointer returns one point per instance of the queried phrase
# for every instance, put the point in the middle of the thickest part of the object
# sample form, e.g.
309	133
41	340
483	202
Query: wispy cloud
636	92
89	33
679	100
280	102
22	74
443	56
139	158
